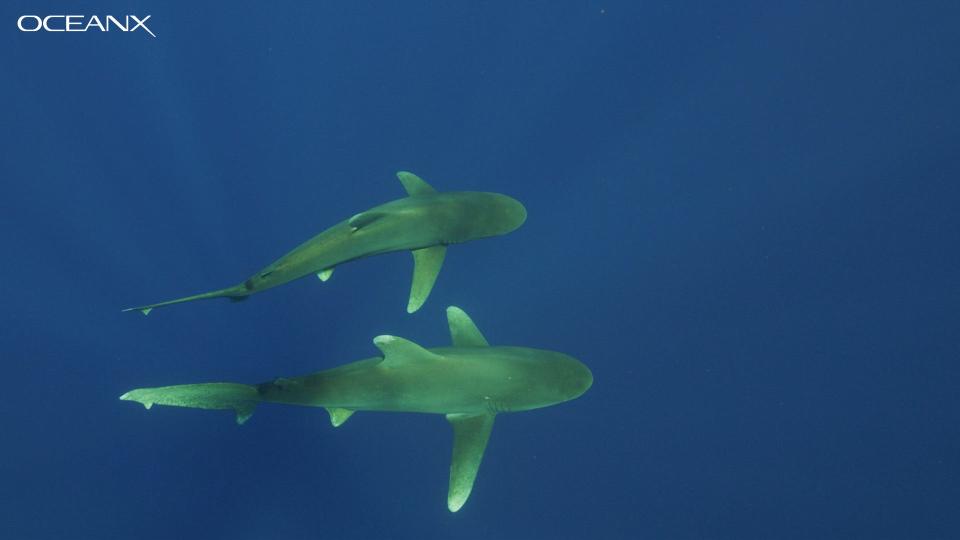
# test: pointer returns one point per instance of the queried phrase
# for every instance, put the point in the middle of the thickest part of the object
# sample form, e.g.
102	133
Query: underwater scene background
741	216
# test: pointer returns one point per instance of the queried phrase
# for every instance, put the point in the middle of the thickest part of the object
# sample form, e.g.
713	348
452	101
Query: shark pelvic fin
414	184
324	275
398	351
244	411
363	219
470	436
426	265
463	332
338	416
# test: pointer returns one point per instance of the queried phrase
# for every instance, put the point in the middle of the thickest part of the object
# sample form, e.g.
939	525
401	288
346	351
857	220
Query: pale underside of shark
424	223
470	382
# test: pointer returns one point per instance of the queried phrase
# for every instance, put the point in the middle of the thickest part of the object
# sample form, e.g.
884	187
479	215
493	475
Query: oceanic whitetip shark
425	223
470	382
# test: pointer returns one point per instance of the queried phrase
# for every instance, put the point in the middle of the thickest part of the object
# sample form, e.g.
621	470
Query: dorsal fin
398	351
463	332
414	184
364	218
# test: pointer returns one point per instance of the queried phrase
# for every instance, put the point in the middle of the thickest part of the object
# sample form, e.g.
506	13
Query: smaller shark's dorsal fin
338	416
426	265
364	218
470	436
463	332
398	351
414	184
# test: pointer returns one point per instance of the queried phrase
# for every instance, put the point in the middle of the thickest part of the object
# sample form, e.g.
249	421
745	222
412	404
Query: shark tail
237	292
242	398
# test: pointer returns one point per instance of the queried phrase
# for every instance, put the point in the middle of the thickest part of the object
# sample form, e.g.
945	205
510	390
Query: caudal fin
242	398
237	292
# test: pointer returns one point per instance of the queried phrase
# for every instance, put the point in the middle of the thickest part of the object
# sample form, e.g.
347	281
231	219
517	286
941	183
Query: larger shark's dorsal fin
414	184
470	436
426	265
363	219
398	351
463	332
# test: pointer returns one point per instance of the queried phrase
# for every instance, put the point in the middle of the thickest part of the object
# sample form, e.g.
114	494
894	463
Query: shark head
491	214
557	378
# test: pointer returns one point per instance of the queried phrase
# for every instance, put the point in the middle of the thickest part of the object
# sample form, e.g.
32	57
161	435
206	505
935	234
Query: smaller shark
424	223
470	382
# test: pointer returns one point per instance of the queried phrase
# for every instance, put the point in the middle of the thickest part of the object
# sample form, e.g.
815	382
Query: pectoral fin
414	184
470	436
463	332
426	265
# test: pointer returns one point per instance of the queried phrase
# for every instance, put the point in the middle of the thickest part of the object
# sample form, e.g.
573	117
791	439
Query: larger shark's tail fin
242	398
237	292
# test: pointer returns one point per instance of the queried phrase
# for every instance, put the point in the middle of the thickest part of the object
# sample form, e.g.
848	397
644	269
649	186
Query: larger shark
470	382
424	223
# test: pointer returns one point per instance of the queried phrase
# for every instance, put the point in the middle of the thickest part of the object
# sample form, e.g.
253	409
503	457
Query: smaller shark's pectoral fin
324	275
414	184
426	265
338	416
470	436
463	332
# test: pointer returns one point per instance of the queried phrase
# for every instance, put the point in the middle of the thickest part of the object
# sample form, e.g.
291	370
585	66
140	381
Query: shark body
424	223
470	382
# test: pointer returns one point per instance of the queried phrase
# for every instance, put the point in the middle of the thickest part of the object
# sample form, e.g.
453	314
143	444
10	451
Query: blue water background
742	216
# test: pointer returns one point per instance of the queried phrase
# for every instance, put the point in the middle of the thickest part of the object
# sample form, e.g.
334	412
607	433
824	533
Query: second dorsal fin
414	184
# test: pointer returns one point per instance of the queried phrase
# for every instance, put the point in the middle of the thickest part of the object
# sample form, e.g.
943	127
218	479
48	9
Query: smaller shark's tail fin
242	398
237	292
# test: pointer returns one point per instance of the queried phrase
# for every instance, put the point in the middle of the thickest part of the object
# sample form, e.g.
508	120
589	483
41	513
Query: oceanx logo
82	23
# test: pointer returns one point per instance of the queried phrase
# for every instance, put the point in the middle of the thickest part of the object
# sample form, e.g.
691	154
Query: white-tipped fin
363	219
463	331
470	436
414	184
426	265
146	311
338	416
324	275
398	351
241	398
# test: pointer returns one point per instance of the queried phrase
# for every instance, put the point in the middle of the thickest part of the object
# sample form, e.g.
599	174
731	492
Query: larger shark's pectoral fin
414	184
398	351
426	265
470	436
463	332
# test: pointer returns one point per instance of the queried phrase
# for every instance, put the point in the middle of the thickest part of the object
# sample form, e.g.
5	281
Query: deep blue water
743	217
